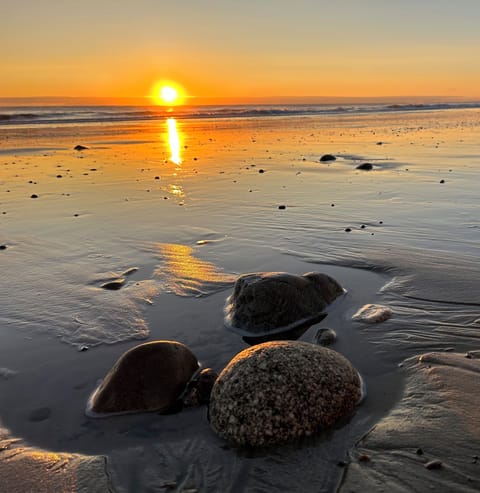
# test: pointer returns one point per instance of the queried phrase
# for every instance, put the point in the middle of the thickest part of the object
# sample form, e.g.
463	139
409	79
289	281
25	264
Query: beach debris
327	157
79	147
373	314
114	285
274	302
325	337
149	377
365	166
280	391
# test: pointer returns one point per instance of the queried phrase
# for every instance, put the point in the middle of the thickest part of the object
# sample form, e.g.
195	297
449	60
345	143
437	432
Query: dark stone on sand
327	157
40	414
379	143
149	377
281	391
114	285
3	247
419	451
157	178
59	176
434	464
325	337
282	207
364	458
269	302
34	196
442	181
261	171
363	226
80	148
348	230
200	388
365	166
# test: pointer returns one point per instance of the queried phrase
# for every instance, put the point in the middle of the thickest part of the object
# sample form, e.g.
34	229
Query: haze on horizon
237	50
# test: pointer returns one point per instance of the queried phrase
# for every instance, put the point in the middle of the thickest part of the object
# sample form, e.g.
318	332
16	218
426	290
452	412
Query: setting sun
168	94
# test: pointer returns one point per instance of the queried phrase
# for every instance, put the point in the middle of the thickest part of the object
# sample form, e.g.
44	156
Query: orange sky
230	49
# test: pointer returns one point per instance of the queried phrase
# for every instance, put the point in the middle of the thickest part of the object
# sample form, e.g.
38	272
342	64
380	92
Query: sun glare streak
174	141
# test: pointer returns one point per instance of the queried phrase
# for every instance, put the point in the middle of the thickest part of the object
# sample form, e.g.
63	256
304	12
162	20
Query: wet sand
412	245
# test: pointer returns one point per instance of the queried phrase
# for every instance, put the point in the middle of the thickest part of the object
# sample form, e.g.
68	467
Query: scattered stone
442	181
327	157
365	166
3	247
325	337
373	314
280	391
59	176
261	170
34	196
282	207
149	377
363	226
157	178
348	230
379	143
200	388
364	458
40	414
274	302
434	464
419	451
83	348
80	148
114	285
341	463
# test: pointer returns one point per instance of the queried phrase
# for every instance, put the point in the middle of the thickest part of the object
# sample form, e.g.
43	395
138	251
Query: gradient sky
247	48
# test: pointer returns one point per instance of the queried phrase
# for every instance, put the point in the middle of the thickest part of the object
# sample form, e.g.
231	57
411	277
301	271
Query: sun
168	94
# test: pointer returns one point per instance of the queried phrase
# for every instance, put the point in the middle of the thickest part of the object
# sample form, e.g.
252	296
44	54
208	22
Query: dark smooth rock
80	148
434	464
282	207
34	196
3	247
200	388
327	157
325	337
265	303
280	391
149	377
365	166
114	285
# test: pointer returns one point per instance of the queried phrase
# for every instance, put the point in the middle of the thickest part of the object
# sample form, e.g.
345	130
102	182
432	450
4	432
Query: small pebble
261	170
282	207
419	451
40	414
347	230
34	196
157	178
3	247
434	464
363	226
325	337
442	181
341	463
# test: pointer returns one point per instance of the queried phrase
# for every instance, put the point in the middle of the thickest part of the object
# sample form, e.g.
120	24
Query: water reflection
174	141
184	274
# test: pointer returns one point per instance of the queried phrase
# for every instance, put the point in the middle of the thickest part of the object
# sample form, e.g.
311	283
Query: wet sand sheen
189	231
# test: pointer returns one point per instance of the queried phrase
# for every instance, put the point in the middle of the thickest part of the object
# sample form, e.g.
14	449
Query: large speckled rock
149	377
279	391
269	302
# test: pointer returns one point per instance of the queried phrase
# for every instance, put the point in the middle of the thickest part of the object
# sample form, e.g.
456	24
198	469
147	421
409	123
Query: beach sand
189	228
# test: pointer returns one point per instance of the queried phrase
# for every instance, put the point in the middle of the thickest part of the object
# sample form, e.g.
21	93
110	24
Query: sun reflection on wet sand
185	275
174	141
